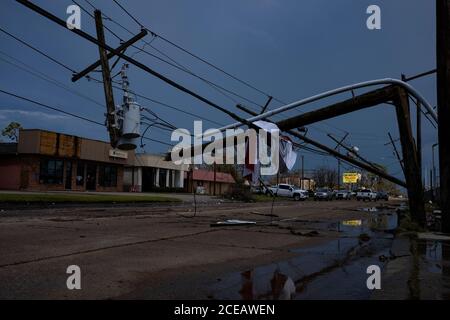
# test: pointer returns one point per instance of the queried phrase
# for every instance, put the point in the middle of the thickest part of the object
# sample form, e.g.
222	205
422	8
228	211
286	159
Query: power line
27	68
183	68
194	55
203	60
98	81
37	50
43	105
171	107
173	62
50	107
125	10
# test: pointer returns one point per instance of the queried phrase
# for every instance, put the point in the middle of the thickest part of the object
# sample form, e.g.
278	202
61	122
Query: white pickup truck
366	194
289	191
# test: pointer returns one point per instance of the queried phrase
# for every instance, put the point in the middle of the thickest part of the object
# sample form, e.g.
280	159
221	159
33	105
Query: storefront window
107	176
80	174
51	172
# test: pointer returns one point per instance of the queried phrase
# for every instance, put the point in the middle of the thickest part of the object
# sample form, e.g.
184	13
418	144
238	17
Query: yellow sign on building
351	177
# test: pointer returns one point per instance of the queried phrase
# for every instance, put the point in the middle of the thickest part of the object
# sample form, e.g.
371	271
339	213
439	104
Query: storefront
44	161
152	173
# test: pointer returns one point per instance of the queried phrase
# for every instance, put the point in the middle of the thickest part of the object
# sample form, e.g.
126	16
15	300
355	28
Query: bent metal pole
388	81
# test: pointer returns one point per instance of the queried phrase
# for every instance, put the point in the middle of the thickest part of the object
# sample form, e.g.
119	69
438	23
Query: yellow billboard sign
351	177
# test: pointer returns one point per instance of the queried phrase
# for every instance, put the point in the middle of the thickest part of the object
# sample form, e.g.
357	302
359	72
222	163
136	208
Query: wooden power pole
413	174
107	82
443	103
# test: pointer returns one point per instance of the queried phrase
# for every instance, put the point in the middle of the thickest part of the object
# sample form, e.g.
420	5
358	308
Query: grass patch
81	198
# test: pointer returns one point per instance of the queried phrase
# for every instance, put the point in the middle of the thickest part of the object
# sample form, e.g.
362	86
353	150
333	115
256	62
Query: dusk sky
290	49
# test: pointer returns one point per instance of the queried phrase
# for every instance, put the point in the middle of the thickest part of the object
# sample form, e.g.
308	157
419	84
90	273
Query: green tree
12	131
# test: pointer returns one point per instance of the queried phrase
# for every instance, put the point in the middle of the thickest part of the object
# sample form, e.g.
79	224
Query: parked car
382	195
323	194
300	195
289	191
366	194
343	195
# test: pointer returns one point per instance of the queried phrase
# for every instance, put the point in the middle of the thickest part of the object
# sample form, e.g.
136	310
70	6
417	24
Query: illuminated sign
351	177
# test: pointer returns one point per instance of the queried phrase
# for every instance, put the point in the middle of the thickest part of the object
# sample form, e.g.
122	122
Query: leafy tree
12	131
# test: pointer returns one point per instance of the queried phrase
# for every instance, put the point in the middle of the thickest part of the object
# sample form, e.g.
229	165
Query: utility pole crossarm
120	48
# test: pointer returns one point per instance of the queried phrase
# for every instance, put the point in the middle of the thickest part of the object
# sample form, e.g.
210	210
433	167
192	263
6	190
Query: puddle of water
435	257
333	270
380	221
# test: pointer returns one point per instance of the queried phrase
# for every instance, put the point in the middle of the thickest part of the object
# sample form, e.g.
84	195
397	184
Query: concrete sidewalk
419	269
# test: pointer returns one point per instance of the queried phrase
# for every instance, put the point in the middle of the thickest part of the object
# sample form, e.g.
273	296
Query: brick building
43	160
205	180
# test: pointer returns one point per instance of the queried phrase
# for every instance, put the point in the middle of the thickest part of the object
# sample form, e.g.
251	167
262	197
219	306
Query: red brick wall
27	176
10	173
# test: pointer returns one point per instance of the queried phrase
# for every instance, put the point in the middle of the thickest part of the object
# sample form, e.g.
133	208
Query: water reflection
309	273
435	257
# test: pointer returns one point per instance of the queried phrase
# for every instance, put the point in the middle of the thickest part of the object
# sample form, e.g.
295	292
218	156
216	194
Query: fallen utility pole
188	152
113	128
443	85
339	155
356	103
400	97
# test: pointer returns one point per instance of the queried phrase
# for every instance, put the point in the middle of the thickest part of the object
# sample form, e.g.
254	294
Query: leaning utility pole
338	148
111	118
443	99
413	174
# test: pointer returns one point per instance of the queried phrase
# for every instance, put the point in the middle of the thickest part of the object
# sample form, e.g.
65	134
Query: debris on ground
264	214
232	222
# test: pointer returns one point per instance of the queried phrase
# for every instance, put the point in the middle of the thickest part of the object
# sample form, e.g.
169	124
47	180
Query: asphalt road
153	252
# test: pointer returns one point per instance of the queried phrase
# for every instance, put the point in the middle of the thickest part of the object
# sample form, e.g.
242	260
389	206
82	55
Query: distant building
202	179
152	173
44	160
295	178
